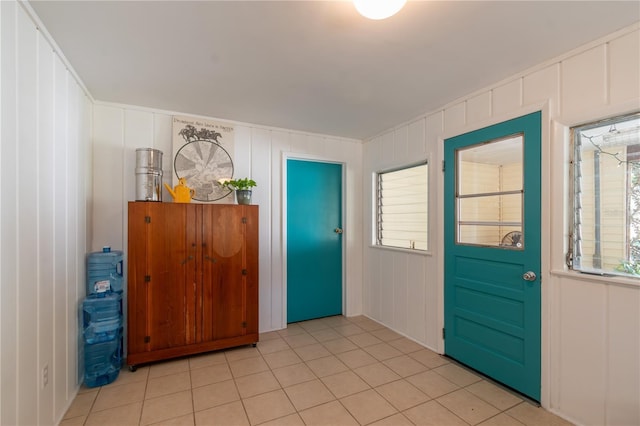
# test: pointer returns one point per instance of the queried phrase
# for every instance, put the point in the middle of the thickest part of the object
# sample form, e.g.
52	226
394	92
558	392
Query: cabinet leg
133	368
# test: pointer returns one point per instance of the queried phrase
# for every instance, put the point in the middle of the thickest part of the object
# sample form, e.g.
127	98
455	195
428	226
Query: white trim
320	159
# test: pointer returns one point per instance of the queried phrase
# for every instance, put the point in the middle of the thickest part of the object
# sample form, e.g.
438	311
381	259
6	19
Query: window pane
606	219
490	195
402	208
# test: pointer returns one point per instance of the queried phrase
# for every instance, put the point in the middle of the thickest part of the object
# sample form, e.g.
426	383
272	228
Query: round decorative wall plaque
203	163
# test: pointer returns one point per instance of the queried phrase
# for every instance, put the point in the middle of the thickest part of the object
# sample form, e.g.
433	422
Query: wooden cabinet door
223	272
171	276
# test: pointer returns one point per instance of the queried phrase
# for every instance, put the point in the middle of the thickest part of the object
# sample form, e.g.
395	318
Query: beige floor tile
290	420
168	367
348	330
268	406
357	358
402	394
125	377
404	365
215	394
332	413
339	345
467	406
345	384
336	321
368	324
382	351
282	359
256	384
207	360
385	334
433	414
74	421
242	352
124	415
309	352
395	420
119	395
364	339
376	374
269	335
211	374
433	384
273	345
186	420
165	385
166	407
501	419
291	330
308	394
293	374
298	340
326	366
325	334
223	415
368	406
429	358
494	395
458	375
81	405
405	345
244	367
313	325
532	415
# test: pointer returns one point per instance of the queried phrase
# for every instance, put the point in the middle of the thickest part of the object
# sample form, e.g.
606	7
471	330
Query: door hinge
443	165
244	272
147	278
244	220
147	219
147	339
443	333
244	324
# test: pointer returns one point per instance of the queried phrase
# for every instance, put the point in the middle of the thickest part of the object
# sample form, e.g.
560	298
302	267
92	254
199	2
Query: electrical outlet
45	376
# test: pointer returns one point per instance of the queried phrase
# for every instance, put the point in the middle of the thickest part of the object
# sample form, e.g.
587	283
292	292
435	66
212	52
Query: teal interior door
492	252
314	240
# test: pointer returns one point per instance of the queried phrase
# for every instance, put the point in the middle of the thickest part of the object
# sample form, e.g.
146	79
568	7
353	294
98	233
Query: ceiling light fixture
378	9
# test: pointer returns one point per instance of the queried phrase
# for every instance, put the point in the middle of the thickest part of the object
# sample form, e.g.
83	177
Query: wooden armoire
192	279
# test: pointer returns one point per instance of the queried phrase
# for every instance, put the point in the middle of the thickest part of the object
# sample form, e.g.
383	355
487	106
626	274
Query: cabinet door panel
223	301
252	266
171	261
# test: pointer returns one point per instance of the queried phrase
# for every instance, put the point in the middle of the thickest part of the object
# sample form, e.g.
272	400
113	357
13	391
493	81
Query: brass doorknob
338	230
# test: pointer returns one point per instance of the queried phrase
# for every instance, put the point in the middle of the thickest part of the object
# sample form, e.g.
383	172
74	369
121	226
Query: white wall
591	326
258	153
45	178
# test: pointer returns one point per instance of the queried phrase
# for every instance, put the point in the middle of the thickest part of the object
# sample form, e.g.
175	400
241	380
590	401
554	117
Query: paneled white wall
591	326
258	153
45	125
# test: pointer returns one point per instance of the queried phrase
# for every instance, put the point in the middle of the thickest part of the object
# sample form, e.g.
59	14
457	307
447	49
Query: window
402	208
606	197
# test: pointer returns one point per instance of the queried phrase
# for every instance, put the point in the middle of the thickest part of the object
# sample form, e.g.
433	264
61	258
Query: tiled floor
330	371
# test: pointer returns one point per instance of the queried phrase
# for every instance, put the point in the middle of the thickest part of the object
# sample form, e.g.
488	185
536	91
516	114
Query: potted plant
242	187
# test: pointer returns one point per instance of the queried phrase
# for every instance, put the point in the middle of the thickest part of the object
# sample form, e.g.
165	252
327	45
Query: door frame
313	158
547	194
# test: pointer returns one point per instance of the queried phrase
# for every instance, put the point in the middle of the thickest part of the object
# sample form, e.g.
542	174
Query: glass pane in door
489	194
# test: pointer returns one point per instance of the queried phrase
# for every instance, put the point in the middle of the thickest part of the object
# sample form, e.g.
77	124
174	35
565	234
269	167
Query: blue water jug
102	361
104	271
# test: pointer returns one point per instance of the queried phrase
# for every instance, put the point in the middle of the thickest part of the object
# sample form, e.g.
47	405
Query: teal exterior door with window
314	240
492	251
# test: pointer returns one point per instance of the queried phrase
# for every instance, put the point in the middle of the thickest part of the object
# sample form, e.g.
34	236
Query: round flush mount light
378	9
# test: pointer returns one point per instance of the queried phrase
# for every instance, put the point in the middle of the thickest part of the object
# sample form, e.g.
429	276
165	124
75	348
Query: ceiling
314	66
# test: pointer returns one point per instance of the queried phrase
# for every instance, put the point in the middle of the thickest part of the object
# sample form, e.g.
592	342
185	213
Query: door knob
338	230
529	276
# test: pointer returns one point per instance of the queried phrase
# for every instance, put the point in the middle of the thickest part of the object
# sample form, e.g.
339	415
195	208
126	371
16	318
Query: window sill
402	250
599	279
